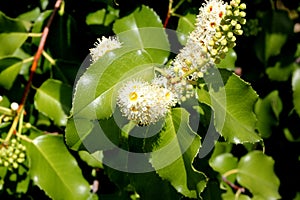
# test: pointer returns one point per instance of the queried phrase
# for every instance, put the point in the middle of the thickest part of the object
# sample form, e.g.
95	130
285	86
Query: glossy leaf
53	99
10	68
296	90
267	111
147	35
55	170
176	149
10	42
256	173
95	95
186	24
233	105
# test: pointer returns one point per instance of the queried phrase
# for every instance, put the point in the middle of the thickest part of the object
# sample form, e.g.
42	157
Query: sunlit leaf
55	170
256	173
53	99
233	105
146	35
10	42
10	68
296	90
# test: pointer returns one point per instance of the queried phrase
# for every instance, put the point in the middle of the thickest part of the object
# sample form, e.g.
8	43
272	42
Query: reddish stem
169	13
37	56
232	185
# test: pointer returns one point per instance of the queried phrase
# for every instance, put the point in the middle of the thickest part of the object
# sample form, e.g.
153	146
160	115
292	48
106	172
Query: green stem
230	172
177	6
49	58
6	111
35	34
28	60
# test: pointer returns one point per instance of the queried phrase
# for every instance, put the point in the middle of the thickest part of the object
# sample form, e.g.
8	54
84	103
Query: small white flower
104	45
143	102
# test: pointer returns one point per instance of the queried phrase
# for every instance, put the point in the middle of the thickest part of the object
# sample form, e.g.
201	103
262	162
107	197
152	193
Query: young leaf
256	173
233	108
53	99
296	90
55	170
174	153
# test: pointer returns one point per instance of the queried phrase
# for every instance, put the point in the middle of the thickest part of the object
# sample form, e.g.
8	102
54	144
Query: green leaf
53	99
102	17
186	25
10	42
95	96
279	72
223	163
31	15
267	111
147	35
174	153
90	159
8	24
296	90
229	61
233	105
229	196
10	68
256	173
277	27
150	186
55	170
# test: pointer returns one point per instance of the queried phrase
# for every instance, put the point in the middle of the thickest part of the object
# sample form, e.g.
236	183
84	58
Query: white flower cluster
104	45
144	102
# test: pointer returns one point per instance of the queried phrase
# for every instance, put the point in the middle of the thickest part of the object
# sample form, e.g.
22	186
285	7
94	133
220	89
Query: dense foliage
236	137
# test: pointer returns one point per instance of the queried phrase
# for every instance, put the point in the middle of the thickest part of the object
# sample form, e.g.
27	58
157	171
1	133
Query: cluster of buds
230	25
12	155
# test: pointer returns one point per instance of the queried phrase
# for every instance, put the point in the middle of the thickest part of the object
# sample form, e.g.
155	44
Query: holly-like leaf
186	24
232	101
147	35
296	90
256	173
267	111
174	154
53	99
55	170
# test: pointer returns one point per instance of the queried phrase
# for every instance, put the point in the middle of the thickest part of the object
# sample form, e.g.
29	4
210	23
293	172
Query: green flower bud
238	26
211	43
223	42
242	14
218	35
236	13
233	22
15	165
242	21
230	34
242	6
225	27
238	32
